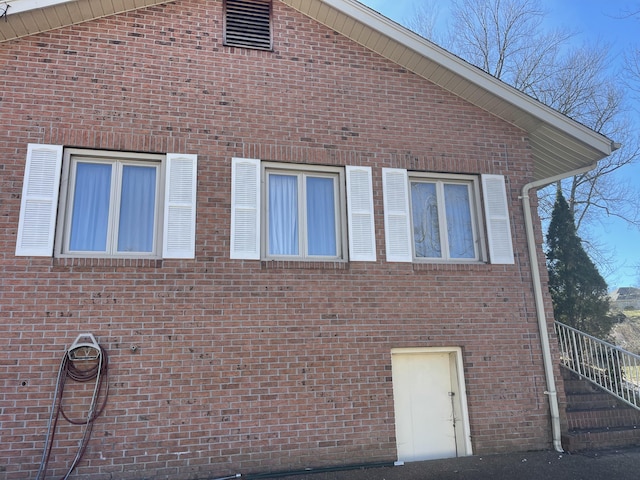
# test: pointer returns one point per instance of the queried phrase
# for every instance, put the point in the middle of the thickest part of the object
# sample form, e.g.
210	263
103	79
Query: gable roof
559	144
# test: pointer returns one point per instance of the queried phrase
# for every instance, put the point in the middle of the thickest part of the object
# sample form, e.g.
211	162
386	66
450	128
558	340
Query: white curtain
283	215
90	221
426	226
459	226
321	216
137	209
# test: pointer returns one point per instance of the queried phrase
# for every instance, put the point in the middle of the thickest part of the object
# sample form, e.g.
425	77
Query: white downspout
539	299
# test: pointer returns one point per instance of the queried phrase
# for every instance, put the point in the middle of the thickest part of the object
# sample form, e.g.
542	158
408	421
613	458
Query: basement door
430	404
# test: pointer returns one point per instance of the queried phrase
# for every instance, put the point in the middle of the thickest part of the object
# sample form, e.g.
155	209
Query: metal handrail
611	368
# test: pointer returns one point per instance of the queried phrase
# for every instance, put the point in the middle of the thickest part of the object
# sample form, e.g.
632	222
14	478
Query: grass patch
632	314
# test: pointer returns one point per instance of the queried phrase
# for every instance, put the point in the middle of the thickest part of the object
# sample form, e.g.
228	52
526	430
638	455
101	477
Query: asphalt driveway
548	465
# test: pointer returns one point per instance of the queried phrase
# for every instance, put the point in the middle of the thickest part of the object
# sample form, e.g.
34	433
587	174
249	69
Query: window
434	217
301	212
443	219
248	24
112	204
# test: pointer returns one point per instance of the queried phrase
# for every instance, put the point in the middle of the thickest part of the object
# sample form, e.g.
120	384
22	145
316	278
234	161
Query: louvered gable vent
248	24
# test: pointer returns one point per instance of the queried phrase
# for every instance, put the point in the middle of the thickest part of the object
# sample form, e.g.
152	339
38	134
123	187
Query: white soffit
28	17
18	6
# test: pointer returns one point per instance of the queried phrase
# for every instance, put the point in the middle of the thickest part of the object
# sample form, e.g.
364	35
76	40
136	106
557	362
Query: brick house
291	224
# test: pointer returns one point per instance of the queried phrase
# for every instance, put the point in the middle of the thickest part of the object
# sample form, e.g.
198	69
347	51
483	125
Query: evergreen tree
578	291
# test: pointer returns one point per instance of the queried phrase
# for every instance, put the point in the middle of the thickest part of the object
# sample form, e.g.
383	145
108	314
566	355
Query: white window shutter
179	232
397	222
497	216
39	203
362	236
245	208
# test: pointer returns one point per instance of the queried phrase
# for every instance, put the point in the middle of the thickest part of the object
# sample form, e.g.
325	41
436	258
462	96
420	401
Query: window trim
477	223
302	171
71	156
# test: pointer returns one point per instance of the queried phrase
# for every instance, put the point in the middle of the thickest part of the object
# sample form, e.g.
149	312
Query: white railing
611	368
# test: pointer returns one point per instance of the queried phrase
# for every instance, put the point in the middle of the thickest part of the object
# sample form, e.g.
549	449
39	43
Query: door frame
461	411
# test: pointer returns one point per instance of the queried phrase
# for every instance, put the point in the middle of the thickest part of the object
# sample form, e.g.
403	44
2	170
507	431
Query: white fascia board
17	6
433	52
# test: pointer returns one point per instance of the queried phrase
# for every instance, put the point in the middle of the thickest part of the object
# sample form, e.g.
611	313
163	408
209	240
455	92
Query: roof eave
29	17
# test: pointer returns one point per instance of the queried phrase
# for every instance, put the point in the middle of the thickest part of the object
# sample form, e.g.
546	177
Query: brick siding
246	365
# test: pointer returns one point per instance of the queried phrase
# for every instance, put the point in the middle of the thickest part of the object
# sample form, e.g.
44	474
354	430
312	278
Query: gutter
539	299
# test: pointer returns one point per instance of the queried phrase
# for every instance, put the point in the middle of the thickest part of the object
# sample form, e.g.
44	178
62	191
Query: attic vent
248	24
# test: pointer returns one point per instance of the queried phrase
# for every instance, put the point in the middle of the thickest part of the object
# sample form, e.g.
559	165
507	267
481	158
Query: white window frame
340	206
440	180
71	157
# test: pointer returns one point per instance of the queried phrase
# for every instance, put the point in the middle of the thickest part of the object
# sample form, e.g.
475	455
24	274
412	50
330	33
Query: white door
424	397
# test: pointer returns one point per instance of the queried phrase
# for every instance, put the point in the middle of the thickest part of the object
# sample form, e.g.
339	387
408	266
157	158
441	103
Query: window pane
321	216
459	226
90	217
426	228
283	215
137	209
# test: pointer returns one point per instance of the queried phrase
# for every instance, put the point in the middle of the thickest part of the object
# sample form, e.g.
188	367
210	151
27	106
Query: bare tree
584	87
506	38
632	56
424	21
632	70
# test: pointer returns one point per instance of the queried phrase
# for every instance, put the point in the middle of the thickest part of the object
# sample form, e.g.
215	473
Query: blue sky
592	20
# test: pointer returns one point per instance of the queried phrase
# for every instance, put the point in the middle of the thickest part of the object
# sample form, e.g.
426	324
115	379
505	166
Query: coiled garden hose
79	355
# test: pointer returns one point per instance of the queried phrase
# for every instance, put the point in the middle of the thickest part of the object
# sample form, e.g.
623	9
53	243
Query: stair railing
611	368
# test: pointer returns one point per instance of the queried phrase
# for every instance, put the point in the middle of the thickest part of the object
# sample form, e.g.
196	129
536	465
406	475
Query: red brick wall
242	365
